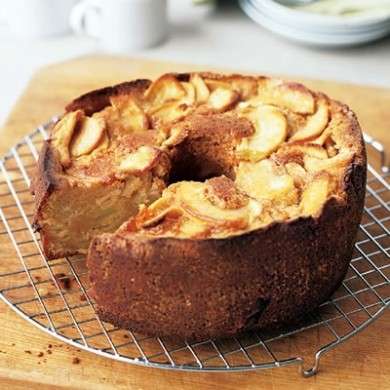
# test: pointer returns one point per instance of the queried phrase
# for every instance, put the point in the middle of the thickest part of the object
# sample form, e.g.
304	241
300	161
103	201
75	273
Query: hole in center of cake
209	149
197	168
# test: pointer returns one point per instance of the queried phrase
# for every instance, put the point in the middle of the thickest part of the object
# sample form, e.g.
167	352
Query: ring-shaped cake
207	204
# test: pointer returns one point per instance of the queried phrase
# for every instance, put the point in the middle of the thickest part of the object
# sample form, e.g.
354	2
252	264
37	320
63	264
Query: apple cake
207	204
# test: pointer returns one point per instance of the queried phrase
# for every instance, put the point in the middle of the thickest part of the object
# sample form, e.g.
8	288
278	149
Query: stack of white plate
316	28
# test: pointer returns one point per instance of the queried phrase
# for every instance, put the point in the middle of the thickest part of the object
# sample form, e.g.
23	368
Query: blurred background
346	40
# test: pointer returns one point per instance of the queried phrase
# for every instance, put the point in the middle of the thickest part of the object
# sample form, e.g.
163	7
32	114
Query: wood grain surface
25	361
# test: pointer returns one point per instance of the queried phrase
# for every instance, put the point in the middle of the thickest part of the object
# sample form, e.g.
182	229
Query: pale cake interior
208	157
73	217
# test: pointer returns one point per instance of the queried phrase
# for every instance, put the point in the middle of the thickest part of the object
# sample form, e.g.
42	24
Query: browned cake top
236	153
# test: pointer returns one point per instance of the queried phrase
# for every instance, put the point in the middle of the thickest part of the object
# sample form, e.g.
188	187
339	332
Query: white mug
38	18
122	25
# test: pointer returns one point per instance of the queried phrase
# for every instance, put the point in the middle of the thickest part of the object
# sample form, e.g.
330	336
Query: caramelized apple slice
292	96
315	124
245	86
62	135
140	160
323	137
221	99
313	164
189	97
315	194
152	215
193	228
212	84
270	131
132	117
186	209
202	92
193	200
166	215
264	180
170	112
88	136
164	89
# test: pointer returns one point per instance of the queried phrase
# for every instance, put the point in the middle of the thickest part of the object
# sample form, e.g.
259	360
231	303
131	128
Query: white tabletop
227	38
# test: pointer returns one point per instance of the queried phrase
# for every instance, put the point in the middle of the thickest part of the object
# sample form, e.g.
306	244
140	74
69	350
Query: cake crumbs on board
76	360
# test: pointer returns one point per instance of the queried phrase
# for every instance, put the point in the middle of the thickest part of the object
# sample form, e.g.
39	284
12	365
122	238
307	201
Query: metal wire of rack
53	295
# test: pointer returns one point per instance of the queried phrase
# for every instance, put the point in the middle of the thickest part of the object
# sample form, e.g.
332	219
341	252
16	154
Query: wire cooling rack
53	295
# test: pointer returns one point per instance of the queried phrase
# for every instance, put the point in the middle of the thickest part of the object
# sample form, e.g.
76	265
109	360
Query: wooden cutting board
361	363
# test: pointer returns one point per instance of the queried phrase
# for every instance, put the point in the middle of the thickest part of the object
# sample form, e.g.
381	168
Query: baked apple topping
87	137
270	131
292	96
131	117
266	180
221	99
315	124
202	92
140	160
167	88
76	135
62	135
169	112
200	208
284	165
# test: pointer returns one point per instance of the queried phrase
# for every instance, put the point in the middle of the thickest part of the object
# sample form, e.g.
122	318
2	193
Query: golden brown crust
95	101
45	180
48	179
211	287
